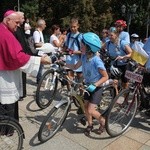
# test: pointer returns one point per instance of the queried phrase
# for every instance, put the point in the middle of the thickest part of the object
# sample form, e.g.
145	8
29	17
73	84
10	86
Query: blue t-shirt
90	68
73	45
138	42
146	46
124	36
114	50
104	40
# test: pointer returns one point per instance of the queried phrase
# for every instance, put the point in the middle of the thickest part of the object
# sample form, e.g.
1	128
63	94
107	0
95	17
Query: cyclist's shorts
94	97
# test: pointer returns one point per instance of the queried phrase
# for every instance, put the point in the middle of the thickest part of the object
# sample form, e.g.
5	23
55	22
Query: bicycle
124	106
47	87
11	133
57	115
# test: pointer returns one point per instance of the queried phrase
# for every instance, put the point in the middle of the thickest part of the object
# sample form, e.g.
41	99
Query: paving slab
70	136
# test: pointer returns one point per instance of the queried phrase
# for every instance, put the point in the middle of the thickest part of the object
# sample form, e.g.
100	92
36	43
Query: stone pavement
71	137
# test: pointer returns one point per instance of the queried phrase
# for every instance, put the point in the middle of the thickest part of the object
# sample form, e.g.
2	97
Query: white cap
135	35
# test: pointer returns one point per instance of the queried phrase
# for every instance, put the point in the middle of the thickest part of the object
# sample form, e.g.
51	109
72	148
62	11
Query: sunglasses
105	32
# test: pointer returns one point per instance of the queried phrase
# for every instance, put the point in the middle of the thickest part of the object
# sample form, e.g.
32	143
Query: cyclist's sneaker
88	130
101	129
21	98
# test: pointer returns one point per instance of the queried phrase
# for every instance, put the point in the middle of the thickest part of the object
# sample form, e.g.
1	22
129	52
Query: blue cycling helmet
93	41
113	29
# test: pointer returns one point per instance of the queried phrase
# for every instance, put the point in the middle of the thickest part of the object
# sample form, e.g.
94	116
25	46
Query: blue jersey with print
146	46
117	50
104	40
91	68
73	45
138	42
125	36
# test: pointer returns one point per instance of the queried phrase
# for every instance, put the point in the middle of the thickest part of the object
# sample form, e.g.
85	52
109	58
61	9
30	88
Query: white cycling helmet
135	35
116	72
47	48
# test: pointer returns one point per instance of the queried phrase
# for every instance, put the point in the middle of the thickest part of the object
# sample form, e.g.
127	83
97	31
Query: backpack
32	47
119	47
116	62
76	39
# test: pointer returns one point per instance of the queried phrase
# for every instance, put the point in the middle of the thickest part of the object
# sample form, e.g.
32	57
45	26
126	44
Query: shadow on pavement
141	121
30	108
73	126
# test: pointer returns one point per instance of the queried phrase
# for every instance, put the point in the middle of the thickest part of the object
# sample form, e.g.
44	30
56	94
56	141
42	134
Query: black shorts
94	97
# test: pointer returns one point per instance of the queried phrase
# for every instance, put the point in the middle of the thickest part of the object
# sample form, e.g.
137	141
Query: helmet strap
89	54
88	49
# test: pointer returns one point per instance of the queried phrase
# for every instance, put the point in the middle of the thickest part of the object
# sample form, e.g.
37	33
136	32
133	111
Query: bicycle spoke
107	96
121	114
46	90
11	136
52	122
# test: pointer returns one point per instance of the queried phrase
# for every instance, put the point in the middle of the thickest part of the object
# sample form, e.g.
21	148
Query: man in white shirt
39	41
27	28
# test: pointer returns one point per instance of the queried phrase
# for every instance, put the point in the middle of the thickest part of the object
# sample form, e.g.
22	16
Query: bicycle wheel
53	122
121	113
11	134
46	90
108	94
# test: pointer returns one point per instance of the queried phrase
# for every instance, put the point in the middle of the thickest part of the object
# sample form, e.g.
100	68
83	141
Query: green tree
31	11
94	15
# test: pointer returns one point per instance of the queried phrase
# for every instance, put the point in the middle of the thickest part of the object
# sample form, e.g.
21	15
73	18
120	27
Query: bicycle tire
121	113
52	122
46	91
108	94
11	138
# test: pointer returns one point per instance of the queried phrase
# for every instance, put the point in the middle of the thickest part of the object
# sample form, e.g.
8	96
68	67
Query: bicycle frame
58	73
137	78
135	93
78	98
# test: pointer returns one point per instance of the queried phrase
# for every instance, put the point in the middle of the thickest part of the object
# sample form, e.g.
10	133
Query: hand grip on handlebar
61	63
70	51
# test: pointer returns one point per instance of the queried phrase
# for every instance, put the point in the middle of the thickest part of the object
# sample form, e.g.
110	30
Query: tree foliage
94	15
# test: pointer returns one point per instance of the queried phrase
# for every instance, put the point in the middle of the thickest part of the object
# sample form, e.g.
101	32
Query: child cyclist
95	75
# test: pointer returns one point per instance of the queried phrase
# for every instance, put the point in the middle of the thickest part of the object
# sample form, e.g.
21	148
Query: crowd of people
18	58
